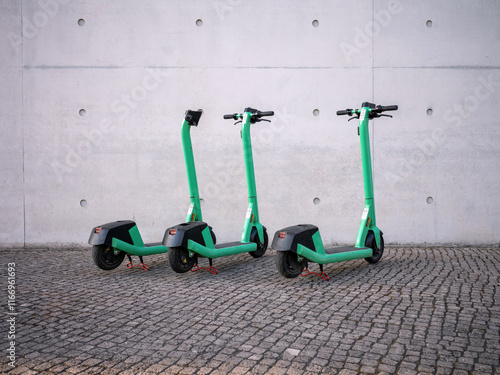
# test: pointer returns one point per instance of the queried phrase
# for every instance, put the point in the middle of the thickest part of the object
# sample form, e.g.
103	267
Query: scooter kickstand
210	269
142	265
323	275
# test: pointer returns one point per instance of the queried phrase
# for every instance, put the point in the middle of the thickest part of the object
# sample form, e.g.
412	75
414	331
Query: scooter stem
253	208
365	153
368	220
194	212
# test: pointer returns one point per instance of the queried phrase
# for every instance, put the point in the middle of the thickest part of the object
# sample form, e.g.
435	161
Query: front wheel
212	234
289	265
105	258
261	246
179	259
377	252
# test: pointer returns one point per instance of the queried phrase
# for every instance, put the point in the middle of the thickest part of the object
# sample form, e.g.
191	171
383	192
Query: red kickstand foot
210	269
142	265
323	275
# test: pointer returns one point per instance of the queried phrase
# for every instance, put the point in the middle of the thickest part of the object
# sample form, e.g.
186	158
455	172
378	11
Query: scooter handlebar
383	108
377	109
344	112
255	113
267	113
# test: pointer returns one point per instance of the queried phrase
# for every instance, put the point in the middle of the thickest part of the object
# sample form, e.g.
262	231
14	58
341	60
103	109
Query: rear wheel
105	258
261	246
377	252
288	264
179	259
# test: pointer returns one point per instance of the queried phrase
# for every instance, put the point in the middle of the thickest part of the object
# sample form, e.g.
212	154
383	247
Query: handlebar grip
267	113
228	117
388	108
344	112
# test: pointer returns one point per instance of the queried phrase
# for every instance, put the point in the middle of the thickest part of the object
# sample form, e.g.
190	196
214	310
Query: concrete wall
93	94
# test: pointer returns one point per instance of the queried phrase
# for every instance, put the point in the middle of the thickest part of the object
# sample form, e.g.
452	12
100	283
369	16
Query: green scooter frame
112	241
187	241
299	244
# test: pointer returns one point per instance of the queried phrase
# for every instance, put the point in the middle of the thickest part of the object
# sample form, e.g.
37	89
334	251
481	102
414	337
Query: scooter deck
334	254
229	244
222	250
139	250
153	244
343	249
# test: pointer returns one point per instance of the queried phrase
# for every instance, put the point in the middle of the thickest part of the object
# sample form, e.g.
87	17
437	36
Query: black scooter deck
343	249
229	244
153	244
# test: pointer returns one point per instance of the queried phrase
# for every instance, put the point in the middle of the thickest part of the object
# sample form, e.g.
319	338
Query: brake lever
256	119
237	122
352	118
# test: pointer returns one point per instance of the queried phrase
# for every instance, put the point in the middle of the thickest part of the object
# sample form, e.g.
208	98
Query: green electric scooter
188	241
297	245
112	241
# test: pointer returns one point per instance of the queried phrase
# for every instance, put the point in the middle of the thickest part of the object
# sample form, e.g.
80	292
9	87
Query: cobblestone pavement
420	310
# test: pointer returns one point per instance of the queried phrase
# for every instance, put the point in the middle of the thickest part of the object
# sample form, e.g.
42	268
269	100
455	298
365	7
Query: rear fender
104	234
288	238
179	235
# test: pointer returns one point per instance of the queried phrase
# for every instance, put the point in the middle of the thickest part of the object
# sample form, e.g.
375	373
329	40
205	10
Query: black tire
288	265
105	258
214	239
377	252
179	259
261	246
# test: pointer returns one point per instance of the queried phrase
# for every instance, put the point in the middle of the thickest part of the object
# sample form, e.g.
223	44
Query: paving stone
406	371
205	370
294	371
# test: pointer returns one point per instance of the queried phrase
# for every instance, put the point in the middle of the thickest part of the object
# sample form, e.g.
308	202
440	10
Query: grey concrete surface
134	67
432	310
